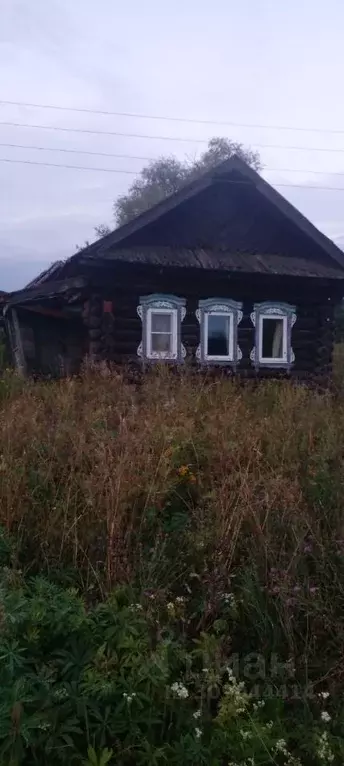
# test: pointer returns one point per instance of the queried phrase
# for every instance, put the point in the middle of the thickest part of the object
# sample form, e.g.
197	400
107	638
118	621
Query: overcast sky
253	61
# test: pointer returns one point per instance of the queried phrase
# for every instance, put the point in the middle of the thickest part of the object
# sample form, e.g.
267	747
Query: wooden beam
16	343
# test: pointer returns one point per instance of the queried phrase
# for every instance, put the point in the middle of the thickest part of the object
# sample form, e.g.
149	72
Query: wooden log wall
116	334
52	347
92	318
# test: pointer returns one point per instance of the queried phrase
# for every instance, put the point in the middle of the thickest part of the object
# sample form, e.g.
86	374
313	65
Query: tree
166	175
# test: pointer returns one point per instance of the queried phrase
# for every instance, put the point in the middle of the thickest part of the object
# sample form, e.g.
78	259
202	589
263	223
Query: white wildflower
236	693
281	746
324	695
324	750
180	690
180	600
229	599
198	732
197	714
325	716
129	697
170	607
60	694
245	734
44	726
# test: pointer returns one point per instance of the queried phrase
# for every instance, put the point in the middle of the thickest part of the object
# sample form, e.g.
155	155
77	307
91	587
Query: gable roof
248	251
45	275
250	177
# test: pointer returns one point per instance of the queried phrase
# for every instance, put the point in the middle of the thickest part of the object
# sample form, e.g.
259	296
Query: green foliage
122	682
98	760
166	175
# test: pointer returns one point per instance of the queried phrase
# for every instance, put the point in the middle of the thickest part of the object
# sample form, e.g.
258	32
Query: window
161	317
161	332
219	319
273	323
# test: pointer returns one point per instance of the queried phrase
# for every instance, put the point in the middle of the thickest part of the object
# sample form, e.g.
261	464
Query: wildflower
235	698
44	726
180	690
325	716
180	600
183	470
245	734
229	599
60	694
324	749
170	608
324	695
197	714
129	697
261	703
281	746
198	732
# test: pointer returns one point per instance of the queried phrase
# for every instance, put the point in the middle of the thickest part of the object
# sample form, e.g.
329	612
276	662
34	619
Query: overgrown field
172	582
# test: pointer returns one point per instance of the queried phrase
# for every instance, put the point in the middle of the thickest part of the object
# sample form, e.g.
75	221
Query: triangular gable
233	164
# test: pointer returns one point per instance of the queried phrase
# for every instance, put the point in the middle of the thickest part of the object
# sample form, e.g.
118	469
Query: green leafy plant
101	759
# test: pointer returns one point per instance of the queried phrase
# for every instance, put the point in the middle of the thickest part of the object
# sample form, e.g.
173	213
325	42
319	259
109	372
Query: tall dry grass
90	479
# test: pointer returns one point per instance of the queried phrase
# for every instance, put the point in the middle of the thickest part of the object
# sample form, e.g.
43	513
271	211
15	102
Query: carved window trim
219	307
267	310
158	303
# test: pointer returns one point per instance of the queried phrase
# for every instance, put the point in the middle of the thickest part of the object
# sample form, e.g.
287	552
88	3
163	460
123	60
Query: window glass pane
218	335
161	322
161	342
272	345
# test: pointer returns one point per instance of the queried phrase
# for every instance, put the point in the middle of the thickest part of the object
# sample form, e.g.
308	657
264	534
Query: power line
167	118
134	172
71	167
163	138
103	132
78	151
152	159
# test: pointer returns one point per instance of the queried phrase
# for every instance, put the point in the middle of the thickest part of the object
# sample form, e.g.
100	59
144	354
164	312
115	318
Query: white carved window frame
151	305
219	307
271	310
173	351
